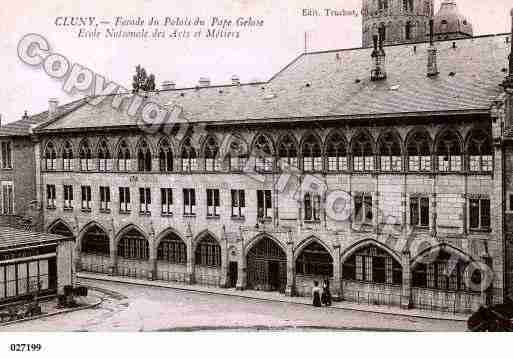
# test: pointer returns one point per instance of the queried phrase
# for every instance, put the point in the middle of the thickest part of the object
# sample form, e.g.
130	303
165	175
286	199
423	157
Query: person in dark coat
326	294
316	294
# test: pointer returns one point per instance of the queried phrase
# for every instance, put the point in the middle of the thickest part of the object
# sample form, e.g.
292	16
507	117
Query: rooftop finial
432	66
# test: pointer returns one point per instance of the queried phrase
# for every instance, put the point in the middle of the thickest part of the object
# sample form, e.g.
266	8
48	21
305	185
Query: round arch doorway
267	266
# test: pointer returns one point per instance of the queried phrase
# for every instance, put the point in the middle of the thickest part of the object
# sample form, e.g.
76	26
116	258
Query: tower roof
449	20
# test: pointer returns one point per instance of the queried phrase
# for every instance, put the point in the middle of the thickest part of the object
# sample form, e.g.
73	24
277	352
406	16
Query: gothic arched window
165	156
312	154
263	152
390	153
287	152
363	156
50	157
144	157
408	5
479	151
448	151
86	158
236	156
372	264
210	154
208	252
189	157
336	152
67	156
123	157
104	157
419	152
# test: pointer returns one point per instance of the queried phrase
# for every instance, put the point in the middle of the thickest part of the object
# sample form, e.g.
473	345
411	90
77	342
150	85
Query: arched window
419	152
95	241
172	249
210	155
448	151
86	157
479	151
133	245
263	152
189	157
50	157
445	272
144	157
236	156
104	157
390	153
314	260
312	207
336	152
383	5
165	156
312	154
363	156
124	157
372	265
67	157
61	229
287	152
208	252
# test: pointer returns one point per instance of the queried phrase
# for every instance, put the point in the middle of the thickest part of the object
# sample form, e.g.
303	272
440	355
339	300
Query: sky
256	55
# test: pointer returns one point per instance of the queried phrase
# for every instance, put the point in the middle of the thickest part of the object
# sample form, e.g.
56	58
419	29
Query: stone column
291	276
406	289
487	293
336	287
190	259
224	262
113	268
77	263
242	269
152	273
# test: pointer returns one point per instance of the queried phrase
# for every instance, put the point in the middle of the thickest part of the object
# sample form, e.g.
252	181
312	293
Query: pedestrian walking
326	294
316	294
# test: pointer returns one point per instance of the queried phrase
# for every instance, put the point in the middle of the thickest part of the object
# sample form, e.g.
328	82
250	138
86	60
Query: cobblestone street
127	307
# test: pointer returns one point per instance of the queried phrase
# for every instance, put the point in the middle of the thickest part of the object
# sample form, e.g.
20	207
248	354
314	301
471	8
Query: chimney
53	103
167	85
235	80
378	58
204	82
432	66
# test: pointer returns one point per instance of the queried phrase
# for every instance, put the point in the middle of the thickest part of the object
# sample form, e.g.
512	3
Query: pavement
276	297
50	308
132	307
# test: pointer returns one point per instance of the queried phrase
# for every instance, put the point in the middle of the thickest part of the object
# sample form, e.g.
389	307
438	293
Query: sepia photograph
236	166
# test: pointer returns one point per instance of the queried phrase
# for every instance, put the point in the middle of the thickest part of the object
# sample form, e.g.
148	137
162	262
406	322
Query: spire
432	66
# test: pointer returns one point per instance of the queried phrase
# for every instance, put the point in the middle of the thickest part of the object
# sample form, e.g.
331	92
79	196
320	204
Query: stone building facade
387	185
404	21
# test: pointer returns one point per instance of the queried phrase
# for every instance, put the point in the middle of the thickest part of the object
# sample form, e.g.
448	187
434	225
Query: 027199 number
25	347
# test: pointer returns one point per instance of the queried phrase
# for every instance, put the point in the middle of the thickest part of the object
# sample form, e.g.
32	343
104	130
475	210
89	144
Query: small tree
141	81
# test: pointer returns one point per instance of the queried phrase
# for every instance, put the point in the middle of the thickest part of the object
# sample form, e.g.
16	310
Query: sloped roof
450	20
11	238
337	84
22	127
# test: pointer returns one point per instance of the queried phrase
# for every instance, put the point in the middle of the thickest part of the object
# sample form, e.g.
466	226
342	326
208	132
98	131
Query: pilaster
291	276
336	287
406	288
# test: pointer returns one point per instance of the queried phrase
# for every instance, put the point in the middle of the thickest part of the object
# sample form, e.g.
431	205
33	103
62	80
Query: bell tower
401	21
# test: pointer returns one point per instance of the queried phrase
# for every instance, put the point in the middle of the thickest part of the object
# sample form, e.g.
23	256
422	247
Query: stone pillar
224	262
113	267
406	289
291	276
77	263
336	287
152	273
242	266
487	293
190	279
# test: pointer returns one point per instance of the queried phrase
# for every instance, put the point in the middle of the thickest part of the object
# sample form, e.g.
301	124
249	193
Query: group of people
321	296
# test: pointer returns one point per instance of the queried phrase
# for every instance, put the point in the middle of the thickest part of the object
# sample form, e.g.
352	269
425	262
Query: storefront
33	264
